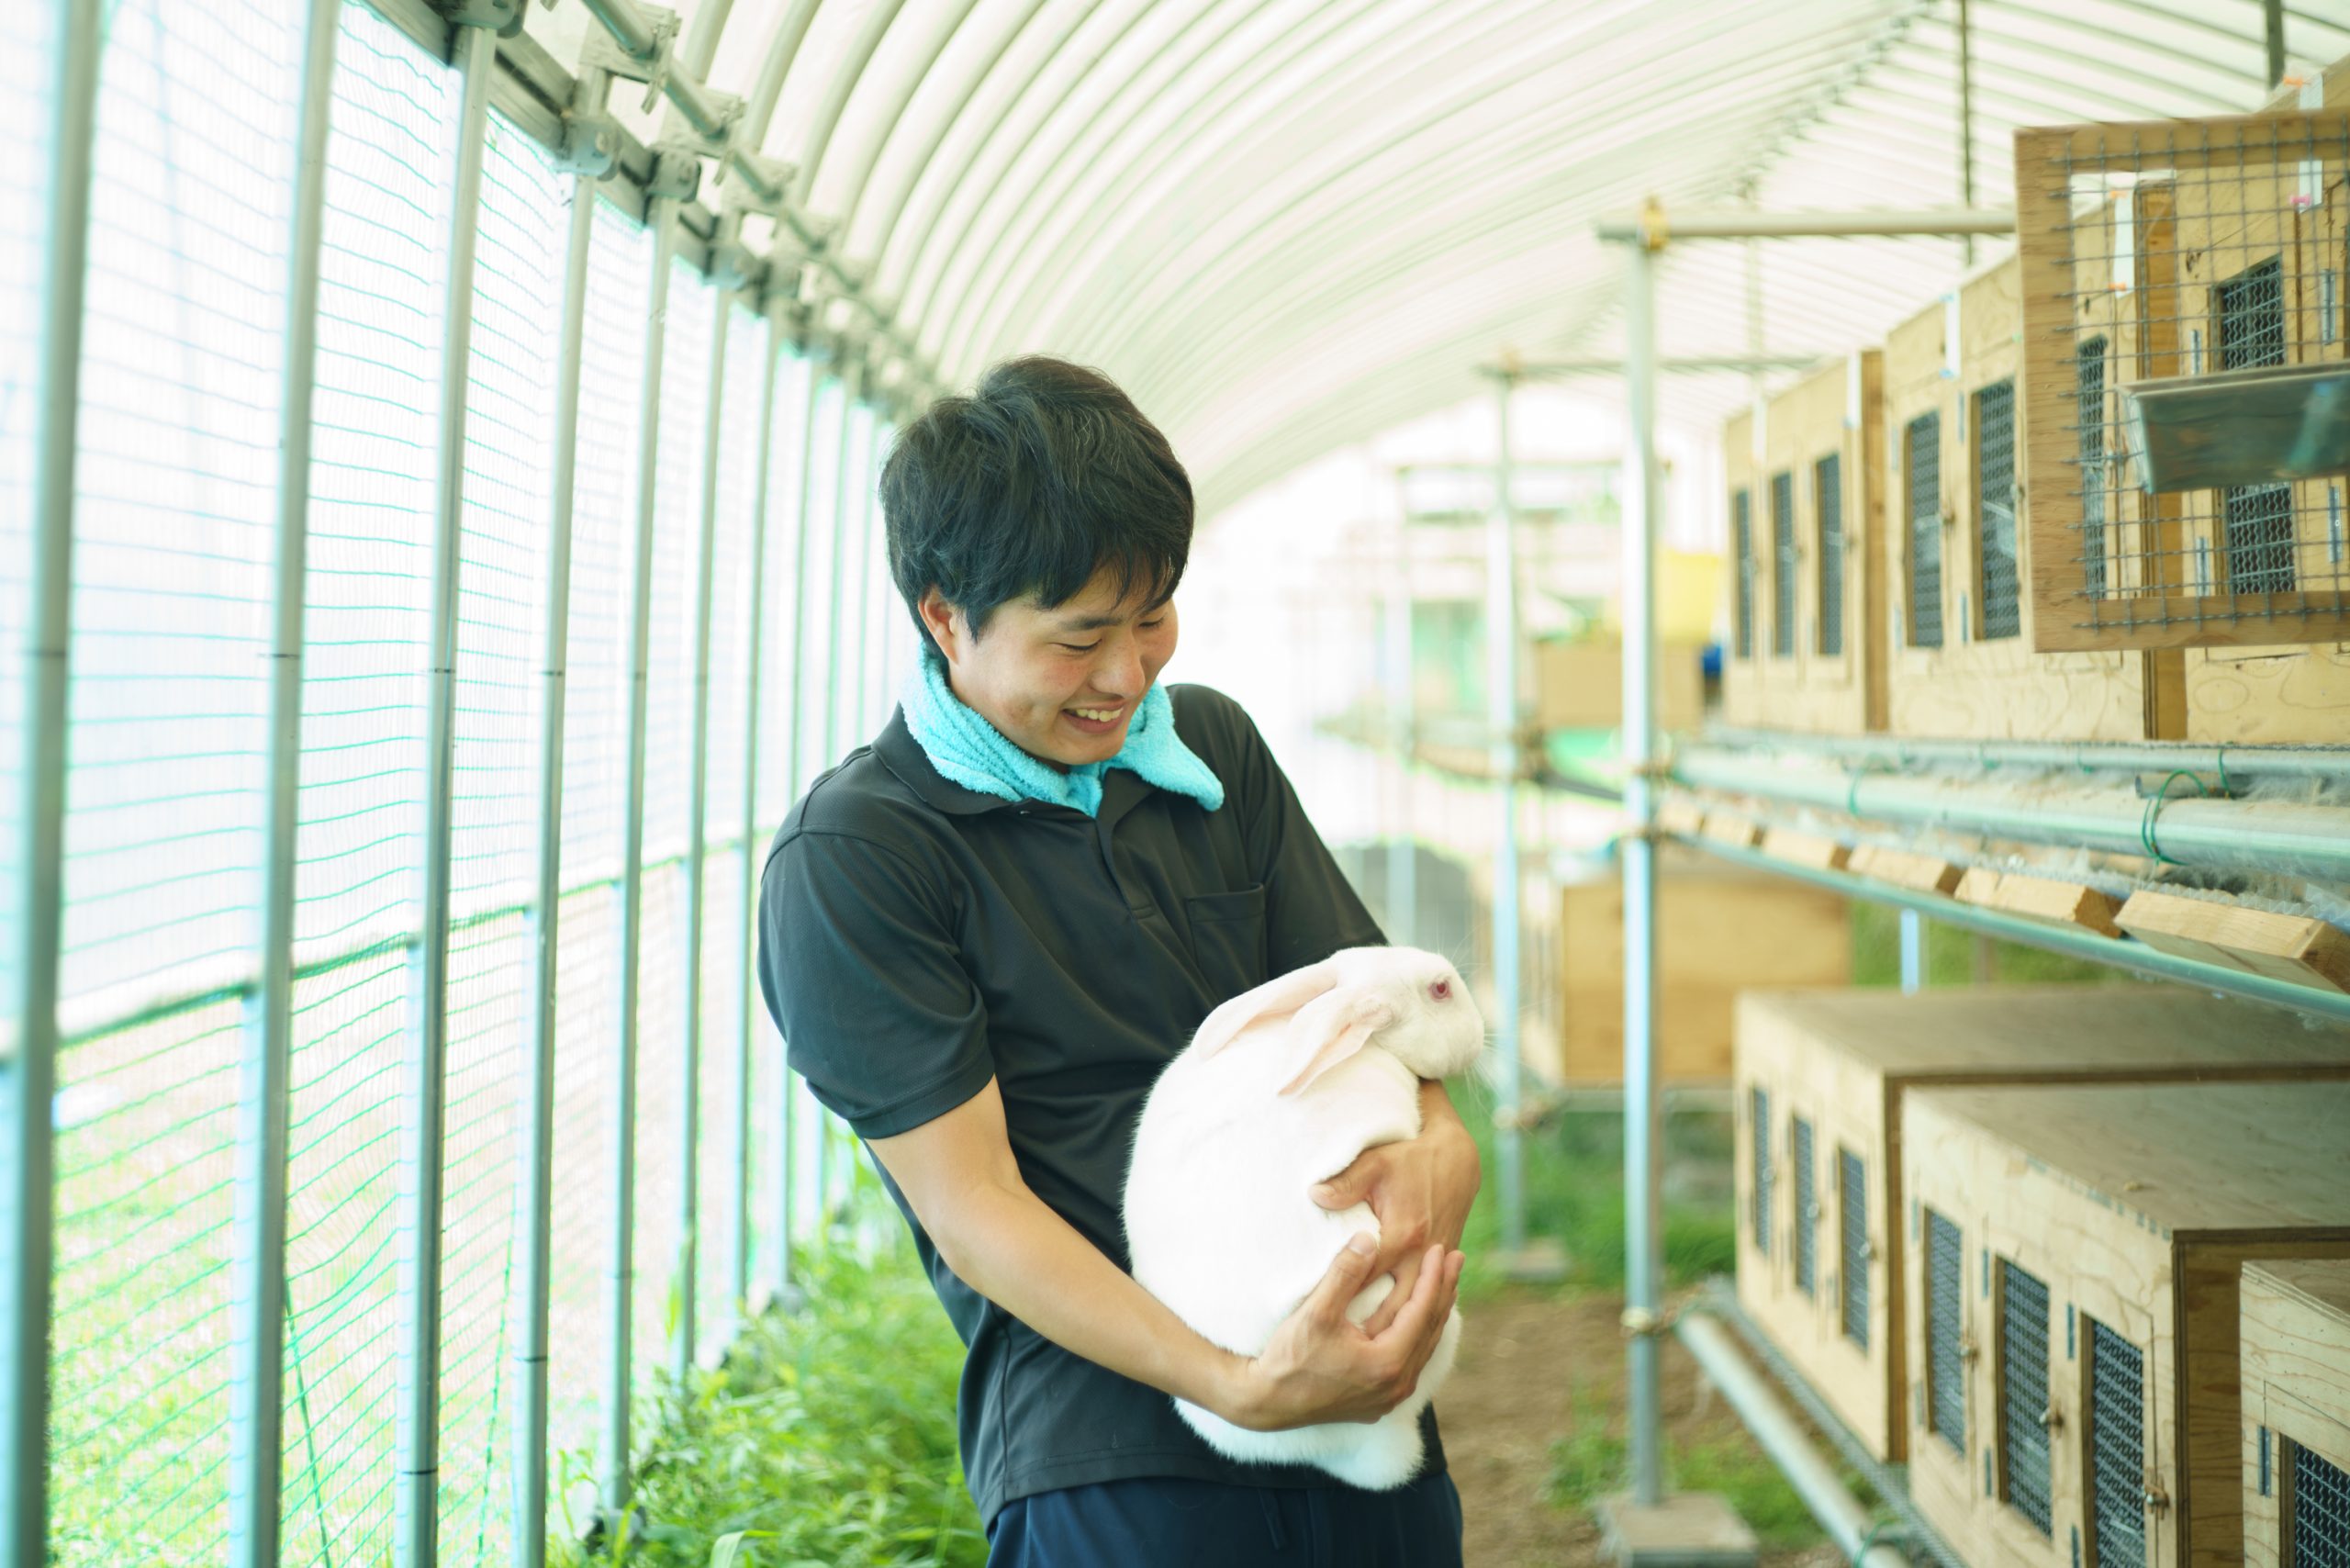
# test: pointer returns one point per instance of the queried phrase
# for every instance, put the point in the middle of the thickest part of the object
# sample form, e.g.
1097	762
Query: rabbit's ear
1333	1027
1285	993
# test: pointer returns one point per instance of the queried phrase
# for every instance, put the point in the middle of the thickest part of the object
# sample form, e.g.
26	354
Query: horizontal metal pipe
1784	1442
2086	756
2073	942
2185	830
1742	223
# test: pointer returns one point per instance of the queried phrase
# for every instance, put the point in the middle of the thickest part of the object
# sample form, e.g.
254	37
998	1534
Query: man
985	934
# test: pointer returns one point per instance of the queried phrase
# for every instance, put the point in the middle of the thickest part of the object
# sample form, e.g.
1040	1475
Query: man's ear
948	630
1332	1027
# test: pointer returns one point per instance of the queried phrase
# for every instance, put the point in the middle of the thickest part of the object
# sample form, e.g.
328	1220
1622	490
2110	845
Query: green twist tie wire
2225	788
2153	809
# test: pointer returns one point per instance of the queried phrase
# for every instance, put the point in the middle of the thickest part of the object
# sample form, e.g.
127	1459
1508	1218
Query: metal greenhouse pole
1645	235
747	1000
256	1461
28	1081
689	1064
1502	720
417	1417
662	217
1643	1151
536	1192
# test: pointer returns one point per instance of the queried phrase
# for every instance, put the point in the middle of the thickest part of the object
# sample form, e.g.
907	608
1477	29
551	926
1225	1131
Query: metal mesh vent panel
1782	566
1924	463
2320	1528
2023	1395
2260	539
1995	505
1945	1367
1762	1218
2259	518
1742	545
2251	307
1853	1200
1806	1209
1828	483
2117	1449
2090	380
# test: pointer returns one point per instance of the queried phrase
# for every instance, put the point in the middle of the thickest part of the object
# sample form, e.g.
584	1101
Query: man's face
1062	684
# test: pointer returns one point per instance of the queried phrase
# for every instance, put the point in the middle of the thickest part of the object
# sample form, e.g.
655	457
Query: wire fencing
768	646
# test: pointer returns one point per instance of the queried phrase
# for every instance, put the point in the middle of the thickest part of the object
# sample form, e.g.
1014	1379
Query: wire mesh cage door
2117	1449
2317	1510
2186	390
2026	1478
1945	1332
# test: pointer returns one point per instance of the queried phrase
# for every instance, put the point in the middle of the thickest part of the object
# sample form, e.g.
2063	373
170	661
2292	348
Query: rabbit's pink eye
1440	990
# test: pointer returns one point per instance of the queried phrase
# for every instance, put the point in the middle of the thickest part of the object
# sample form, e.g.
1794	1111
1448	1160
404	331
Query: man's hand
1420	1191
1319	1366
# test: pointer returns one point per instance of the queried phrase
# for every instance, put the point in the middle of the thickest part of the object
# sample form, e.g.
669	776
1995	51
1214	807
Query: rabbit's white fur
1281	1088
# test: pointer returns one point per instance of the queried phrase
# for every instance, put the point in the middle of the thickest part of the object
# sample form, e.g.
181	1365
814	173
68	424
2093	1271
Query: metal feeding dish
2256	426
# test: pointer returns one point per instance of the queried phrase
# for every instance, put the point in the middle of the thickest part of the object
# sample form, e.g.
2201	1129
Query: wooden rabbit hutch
1961	659
1822	1249
2296	1360
2074	1330
1807	555
2183	298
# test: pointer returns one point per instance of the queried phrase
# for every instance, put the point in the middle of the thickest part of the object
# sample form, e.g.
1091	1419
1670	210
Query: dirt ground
1511	1397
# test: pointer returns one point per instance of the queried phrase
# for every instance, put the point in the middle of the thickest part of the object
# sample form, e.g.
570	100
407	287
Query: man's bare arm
960	1176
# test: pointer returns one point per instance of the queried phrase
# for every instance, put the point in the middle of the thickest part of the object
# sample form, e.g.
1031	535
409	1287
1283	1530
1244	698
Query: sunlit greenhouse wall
718	537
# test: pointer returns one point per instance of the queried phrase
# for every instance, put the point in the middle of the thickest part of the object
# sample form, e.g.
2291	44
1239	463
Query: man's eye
1154	625
1073	648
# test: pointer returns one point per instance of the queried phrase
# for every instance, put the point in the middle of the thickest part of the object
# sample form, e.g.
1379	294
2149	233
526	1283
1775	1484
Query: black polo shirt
918	939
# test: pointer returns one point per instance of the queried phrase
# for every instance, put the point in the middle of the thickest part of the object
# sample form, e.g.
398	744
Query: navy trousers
1167	1522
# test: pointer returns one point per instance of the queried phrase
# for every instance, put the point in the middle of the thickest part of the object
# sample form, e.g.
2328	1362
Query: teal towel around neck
971	752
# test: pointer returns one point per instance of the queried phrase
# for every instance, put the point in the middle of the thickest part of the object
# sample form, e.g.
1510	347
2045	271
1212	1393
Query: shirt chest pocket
1227	936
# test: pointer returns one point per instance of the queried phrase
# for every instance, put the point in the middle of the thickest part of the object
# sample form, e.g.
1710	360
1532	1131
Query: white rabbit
1281	1088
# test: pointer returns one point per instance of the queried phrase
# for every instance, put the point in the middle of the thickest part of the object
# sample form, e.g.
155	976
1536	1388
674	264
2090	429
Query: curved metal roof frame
1284	224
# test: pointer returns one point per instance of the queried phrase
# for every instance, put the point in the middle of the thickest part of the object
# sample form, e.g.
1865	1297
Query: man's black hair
1045	474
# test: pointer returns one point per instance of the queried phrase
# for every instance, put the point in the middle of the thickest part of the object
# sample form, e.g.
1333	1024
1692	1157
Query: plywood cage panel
2237	268
2296	1359
2102	1233
1825	1072
1721	929
1960	651
1810	578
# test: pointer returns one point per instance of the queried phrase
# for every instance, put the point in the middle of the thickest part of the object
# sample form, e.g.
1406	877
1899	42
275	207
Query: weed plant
825	1440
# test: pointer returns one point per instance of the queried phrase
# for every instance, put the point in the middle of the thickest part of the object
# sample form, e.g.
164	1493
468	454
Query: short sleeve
864	977
1311	910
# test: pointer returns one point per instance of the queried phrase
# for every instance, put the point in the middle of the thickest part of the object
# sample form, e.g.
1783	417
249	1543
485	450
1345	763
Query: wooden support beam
1907	868
2047	899
2297	948
1805	849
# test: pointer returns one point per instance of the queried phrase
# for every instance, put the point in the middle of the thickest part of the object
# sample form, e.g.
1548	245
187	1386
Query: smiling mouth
1099	716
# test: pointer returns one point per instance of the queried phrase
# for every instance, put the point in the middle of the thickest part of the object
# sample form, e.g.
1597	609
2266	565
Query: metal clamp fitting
590	146
677	172
1640	1323
503	18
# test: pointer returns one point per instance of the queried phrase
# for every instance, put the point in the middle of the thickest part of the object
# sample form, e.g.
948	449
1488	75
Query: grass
1952	953
1595	1458
827	1441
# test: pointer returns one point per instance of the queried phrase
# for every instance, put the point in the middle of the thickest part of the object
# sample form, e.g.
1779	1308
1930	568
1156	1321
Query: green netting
787	482
175	491
820	618
722	1150
175	577
376	434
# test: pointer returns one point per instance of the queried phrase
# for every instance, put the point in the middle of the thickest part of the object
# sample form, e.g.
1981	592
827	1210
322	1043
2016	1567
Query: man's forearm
1013	1249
